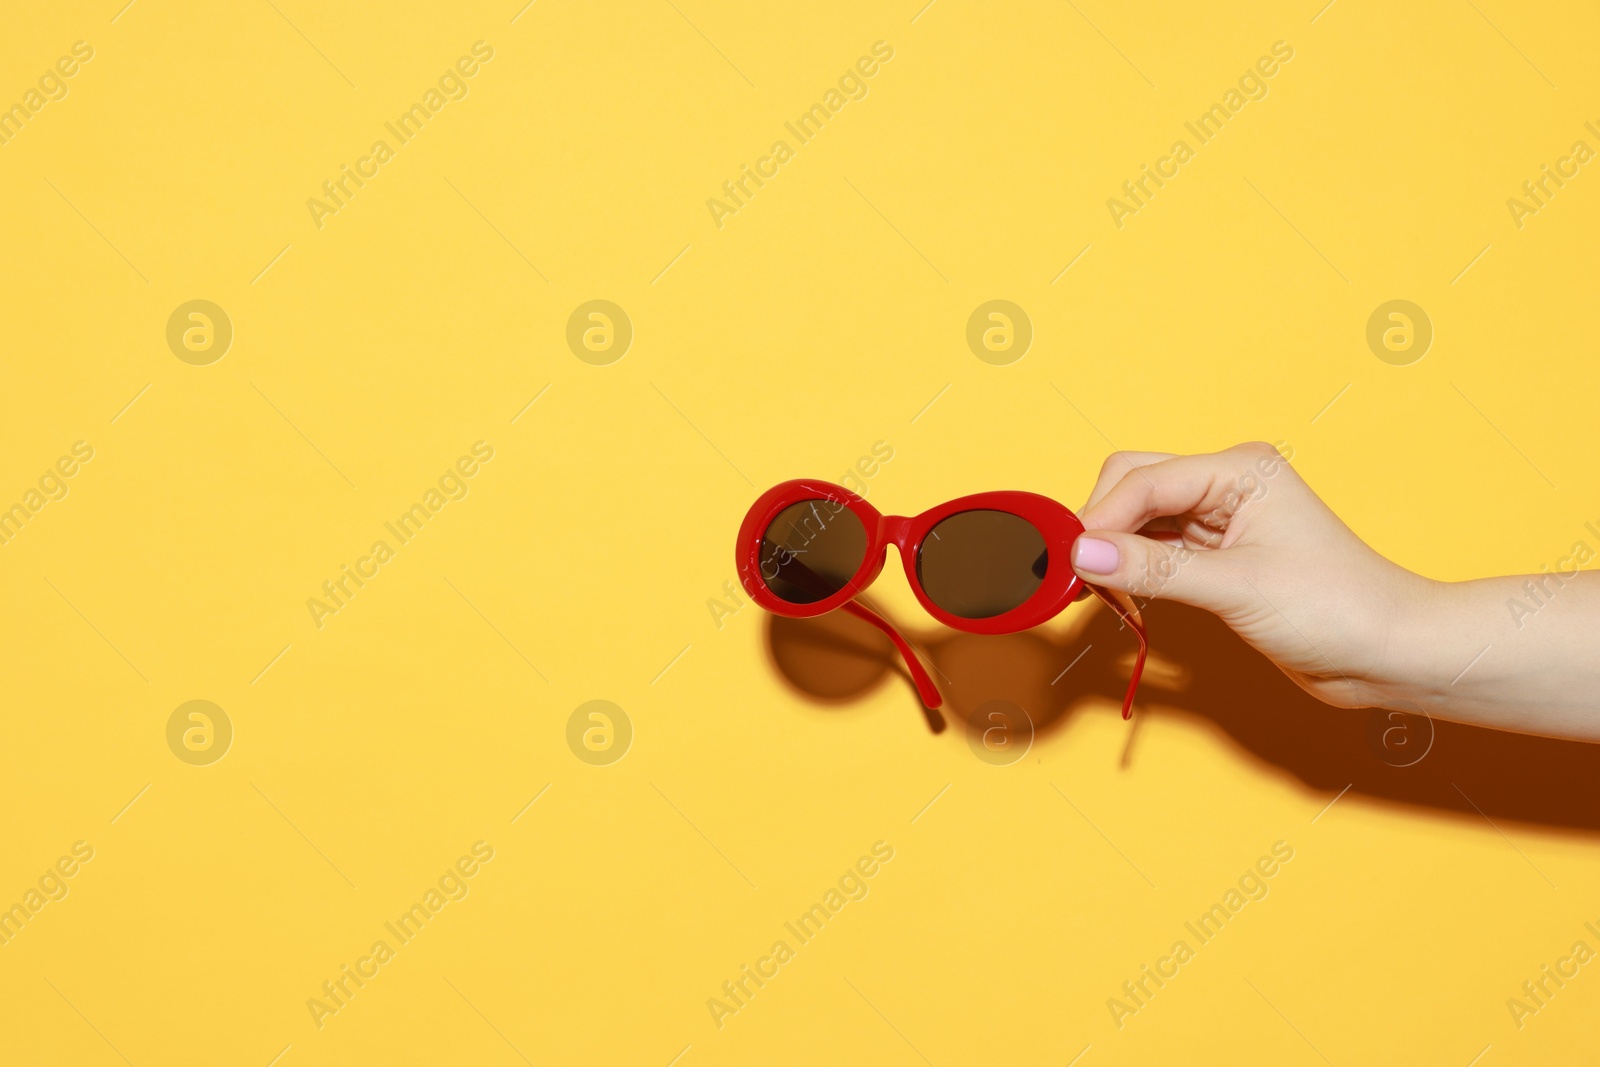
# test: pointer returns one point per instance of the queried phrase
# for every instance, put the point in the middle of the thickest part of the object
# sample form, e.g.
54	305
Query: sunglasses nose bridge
896	531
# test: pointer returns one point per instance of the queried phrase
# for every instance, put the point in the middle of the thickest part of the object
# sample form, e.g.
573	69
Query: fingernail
1095	556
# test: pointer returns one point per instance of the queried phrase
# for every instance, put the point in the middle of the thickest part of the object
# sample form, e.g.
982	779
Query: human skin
1240	534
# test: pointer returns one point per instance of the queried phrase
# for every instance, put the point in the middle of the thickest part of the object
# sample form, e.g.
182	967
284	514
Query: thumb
1146	567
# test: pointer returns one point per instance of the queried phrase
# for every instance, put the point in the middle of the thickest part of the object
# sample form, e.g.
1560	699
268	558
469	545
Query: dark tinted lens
812	550
978	564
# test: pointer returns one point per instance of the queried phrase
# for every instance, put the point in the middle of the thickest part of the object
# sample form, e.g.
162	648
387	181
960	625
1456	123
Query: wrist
1438	633
1418	641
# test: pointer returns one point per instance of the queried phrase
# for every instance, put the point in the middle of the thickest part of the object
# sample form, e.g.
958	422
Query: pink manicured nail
1095	556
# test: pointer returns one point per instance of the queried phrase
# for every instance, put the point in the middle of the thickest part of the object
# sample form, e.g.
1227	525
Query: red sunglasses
992	563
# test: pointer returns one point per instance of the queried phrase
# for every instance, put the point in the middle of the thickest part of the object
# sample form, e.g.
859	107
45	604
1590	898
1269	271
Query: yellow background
371	753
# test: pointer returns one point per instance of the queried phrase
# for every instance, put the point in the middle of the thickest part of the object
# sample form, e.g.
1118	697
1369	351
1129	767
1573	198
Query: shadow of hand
1200	670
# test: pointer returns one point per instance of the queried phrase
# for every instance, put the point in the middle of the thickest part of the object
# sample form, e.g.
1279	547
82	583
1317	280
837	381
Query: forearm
1515	653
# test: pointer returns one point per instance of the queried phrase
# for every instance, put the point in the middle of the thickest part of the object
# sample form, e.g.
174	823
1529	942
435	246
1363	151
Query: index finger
1169	487
1115	468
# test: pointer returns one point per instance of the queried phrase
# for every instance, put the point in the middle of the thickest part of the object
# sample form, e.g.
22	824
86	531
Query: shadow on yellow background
1201	671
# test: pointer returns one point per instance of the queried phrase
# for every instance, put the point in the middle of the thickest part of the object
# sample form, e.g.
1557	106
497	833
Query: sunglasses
991	563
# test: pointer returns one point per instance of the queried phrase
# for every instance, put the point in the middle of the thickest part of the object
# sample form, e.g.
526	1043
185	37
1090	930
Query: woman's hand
1240	534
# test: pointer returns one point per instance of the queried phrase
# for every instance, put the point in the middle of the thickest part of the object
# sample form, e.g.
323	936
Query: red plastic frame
1060	586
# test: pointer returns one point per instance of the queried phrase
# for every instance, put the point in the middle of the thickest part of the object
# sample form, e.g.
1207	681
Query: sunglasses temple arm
1137	626
805	577
925	687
